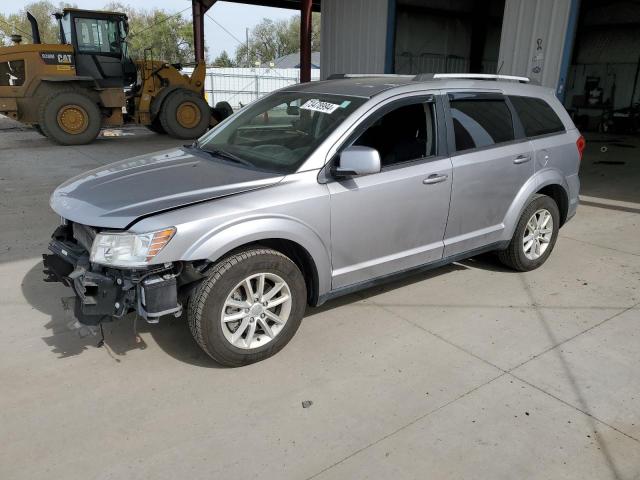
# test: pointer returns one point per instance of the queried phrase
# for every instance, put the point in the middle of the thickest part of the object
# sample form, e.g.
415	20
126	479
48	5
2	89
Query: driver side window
405	133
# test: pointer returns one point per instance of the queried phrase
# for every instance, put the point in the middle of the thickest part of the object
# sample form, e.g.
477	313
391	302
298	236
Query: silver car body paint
355	230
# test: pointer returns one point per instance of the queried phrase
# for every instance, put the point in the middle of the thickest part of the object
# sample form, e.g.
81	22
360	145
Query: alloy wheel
256	310
537	234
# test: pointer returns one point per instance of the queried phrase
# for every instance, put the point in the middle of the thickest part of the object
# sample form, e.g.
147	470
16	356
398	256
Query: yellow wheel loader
69	91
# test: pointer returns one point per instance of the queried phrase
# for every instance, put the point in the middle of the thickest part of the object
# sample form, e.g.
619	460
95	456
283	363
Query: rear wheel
535	235
185	115
69	118
249	307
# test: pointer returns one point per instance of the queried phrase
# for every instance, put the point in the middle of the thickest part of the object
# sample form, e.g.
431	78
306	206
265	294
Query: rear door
545	130
491	162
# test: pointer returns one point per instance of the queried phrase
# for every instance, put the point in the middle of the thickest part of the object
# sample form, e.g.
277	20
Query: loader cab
99	44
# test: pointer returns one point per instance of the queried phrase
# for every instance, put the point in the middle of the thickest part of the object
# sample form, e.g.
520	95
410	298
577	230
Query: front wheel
535	235
156	127
185	115
249	307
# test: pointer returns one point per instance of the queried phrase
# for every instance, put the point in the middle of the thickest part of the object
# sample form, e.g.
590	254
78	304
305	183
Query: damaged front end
104	293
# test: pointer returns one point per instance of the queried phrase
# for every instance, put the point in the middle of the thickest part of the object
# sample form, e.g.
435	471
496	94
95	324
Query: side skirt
410	271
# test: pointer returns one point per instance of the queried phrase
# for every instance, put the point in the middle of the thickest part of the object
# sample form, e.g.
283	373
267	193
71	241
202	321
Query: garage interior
603	78
447	37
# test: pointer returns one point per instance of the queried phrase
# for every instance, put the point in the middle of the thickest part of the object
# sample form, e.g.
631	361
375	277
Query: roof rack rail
335	76
470	76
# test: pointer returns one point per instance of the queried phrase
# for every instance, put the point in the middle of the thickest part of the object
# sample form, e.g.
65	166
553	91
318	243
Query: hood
116	195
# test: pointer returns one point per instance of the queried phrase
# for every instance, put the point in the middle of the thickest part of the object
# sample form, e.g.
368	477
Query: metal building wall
533	39
354	36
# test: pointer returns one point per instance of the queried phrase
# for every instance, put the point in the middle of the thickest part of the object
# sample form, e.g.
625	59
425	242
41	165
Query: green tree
223	60
169	36
43	12
272	39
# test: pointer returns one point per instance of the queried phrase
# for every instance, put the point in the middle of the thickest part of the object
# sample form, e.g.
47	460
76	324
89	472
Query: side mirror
358	160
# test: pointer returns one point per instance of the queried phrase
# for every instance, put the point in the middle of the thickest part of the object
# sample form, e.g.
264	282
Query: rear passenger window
537	117
480	122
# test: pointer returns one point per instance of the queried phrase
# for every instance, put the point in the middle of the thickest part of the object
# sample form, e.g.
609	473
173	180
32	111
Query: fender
542	178
224	238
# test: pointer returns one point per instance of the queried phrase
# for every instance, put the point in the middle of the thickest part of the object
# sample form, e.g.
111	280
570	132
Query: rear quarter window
537	117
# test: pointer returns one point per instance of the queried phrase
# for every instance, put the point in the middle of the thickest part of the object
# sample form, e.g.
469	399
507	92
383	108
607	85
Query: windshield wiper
227	156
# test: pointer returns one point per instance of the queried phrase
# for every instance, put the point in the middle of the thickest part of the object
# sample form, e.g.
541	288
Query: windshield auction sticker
318	106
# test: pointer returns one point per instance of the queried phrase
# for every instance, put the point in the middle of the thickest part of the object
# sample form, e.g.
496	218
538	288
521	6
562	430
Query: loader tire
69	117
184	115
221	111
156	126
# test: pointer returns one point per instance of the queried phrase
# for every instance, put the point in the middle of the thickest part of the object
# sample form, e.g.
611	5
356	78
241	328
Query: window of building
481	122
406	133
537	117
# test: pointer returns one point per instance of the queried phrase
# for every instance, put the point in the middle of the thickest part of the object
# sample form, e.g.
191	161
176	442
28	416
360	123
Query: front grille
84	235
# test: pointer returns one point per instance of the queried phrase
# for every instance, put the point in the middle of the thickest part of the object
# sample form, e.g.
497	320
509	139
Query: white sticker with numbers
318	106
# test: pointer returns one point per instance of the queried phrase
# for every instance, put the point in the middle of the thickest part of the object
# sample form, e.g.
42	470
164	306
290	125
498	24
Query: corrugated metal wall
353	36
533	37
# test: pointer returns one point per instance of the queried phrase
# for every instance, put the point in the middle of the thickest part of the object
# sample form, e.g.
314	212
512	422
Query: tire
156	126
221	111
77	110
515	256
207	304
184	114
37	128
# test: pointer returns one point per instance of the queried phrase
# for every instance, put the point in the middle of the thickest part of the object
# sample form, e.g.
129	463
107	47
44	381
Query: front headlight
128	249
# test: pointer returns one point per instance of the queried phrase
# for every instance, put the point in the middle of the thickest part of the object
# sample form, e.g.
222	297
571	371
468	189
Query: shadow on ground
172	335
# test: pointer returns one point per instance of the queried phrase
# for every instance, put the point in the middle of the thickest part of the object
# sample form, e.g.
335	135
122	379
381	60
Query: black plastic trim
409	271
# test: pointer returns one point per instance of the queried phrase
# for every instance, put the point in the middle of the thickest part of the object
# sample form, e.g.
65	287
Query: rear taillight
580	144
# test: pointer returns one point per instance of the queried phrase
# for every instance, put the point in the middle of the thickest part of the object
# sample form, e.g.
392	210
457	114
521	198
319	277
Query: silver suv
314	191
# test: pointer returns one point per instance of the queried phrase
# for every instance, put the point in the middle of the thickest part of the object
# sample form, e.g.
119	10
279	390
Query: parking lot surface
468	371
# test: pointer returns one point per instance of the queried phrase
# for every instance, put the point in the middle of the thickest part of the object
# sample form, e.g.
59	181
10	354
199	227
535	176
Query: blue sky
234	17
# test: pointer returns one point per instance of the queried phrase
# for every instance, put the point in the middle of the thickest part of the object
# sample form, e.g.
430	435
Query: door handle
522	159
435	178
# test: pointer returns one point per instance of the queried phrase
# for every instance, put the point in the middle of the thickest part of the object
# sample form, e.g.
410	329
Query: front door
99	50
395	219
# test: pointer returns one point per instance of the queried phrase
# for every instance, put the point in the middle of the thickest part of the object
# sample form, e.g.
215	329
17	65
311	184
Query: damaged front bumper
102	293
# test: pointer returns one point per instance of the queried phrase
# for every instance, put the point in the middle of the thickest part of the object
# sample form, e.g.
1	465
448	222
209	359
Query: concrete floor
469	371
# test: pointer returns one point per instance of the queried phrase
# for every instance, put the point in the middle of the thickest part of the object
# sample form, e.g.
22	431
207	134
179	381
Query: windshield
280	131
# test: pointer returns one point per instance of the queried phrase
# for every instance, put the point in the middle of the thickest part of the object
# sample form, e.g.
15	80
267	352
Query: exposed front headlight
128	249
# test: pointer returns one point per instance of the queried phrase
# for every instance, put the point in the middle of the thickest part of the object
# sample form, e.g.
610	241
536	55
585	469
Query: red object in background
580	144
